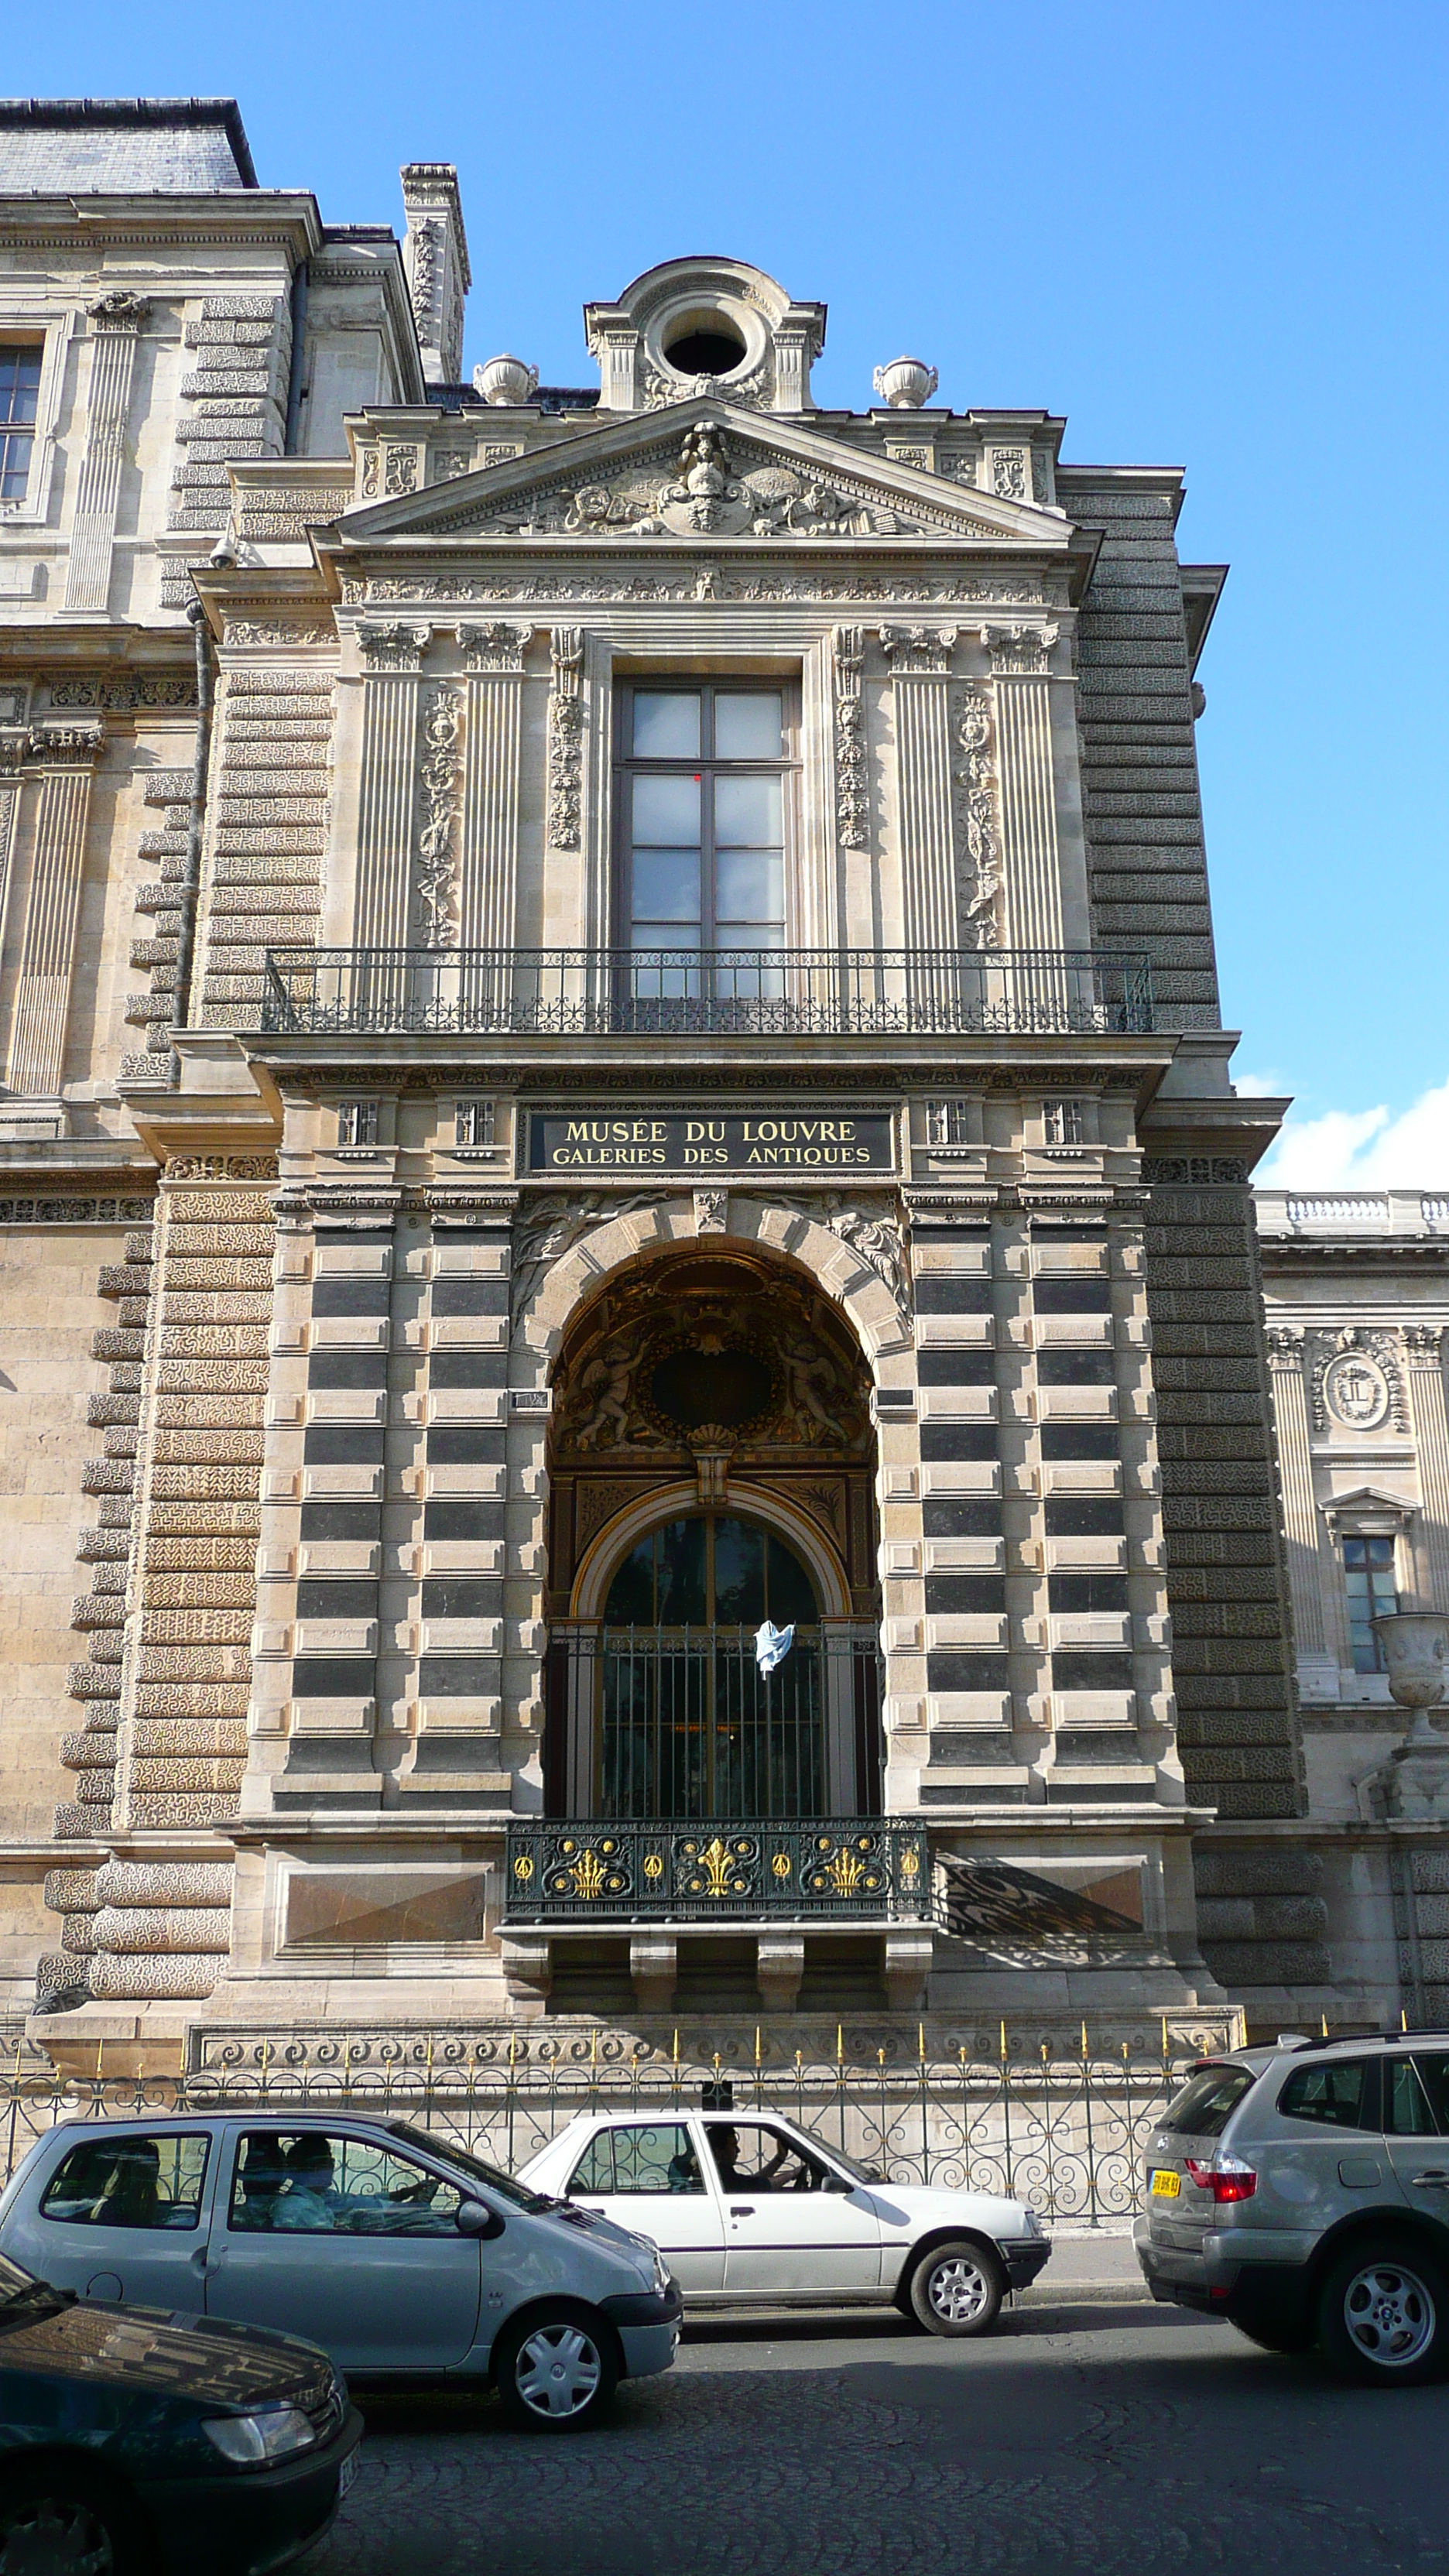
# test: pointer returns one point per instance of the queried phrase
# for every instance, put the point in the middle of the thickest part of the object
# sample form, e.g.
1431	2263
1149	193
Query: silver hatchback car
400	2254
1302	2191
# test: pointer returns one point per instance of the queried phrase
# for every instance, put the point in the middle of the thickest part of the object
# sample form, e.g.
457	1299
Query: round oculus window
709	345
693	1387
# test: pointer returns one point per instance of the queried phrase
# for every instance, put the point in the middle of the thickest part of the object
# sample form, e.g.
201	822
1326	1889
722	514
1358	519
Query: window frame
787	766
52	328
1366	1539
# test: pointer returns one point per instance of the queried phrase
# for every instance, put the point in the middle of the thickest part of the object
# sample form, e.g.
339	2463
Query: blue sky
1210	236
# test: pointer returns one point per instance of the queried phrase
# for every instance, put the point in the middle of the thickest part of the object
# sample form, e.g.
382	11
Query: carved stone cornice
1423	1345
1285	1348
119	311
464	1207
64	746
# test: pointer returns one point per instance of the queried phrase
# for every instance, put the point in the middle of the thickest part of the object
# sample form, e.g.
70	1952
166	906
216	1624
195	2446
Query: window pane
750	886
666	885
666	811
308	2184
1330	2095
746	811
631	1594
748	727
14	464
739	1574
19	383
1434	2075
1407	2111
1207	2101
666	724
789	1592
594	2171
129	2182
682	1598
655	2160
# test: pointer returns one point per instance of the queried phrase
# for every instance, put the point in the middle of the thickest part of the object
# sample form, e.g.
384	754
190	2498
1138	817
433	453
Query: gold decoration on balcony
654	1866
781	1865
523	1867
717	1868
845	1869
910	1865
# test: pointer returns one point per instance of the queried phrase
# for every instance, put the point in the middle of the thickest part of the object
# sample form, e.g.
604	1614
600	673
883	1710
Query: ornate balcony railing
841	1868
723	992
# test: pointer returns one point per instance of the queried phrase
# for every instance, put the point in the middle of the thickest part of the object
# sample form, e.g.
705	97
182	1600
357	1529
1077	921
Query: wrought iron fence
1061	2127
734	992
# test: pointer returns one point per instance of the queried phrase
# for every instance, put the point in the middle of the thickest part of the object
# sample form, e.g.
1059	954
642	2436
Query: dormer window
706	345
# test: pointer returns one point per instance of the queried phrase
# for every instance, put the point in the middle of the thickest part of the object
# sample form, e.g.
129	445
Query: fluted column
52	910
1295	1468
388	786
1423	1348
1031	858
116	321
493	658
920	661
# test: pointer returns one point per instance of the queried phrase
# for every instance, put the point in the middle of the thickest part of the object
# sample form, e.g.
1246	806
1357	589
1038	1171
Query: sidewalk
1095	2265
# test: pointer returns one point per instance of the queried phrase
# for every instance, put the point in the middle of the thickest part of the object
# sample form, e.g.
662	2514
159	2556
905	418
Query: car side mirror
475	2218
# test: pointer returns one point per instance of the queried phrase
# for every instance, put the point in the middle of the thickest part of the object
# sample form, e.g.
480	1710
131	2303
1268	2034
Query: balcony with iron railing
663	993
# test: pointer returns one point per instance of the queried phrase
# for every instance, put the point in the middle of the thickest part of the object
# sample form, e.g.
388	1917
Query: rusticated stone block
214	1412
196	1242
218	1273
72	1891
1268	1963
1225	1918
196	1628
72	1823
92	1681
1268	1870
195	1664
199	1589
175	1810
227	1307
1430	1869
198	1554
164	1882
85	1752
134	1980
234	1520
154	1776
198	1378
209	1448
127	1931
175	1483
164	1700
77	1936
171	1737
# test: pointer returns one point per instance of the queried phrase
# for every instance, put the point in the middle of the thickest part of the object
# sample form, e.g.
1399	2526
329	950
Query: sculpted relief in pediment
708	484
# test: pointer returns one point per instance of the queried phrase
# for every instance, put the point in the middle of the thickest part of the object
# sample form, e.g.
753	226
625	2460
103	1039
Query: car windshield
1205	2105
488	2176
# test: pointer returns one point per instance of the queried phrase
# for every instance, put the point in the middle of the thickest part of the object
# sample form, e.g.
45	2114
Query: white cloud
1260	1086
1365	1148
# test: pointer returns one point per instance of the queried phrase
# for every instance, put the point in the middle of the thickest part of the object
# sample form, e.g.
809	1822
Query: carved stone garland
566	739
978	846
850	790
436	880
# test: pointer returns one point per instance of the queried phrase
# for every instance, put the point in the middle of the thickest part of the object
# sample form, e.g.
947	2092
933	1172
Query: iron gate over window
682	1723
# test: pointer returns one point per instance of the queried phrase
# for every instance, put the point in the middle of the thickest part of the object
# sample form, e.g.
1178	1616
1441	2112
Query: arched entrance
712	1468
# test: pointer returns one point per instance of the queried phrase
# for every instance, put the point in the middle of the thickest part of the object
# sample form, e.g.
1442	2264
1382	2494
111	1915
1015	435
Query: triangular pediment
704	472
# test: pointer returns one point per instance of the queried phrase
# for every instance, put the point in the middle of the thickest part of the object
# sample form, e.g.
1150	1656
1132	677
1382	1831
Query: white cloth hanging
772	1645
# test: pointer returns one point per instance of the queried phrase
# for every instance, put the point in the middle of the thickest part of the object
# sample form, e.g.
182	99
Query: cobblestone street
1084	2437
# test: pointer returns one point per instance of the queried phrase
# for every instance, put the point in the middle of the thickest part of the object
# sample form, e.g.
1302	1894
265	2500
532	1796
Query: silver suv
1302	2191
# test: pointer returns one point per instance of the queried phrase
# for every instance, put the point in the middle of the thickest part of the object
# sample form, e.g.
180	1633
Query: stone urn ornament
906	383
1415	1643
505	380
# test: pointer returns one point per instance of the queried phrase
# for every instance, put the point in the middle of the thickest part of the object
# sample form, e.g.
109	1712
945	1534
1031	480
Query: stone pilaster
435	258
52	911
920	660
1031	862
116	322
392	656
1423	1348
1295	1467
493	657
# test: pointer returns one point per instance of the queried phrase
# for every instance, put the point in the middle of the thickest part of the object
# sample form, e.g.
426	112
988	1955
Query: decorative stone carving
566	739
878	1238
1357	1384
919	649
549	1226
394	648
1010	473
498	646
887	591
851	808
436	877
905	384
1019	652
1285	1346
399	472
119	311
978	845
711	1211
505	380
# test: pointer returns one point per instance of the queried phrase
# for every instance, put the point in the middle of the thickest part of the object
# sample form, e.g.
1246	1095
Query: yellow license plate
1166	2186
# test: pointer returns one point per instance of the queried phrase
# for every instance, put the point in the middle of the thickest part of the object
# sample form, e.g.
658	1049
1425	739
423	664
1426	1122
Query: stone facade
482	1214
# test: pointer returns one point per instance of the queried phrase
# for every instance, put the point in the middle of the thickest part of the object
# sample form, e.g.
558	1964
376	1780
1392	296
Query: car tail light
1227	2178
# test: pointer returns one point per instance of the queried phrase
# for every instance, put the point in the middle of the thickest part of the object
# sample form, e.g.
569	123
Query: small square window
473	1123
1062	1122
946	1122
357	1122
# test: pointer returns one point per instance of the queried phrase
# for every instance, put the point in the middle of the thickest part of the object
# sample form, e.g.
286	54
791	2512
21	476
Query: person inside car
725	2145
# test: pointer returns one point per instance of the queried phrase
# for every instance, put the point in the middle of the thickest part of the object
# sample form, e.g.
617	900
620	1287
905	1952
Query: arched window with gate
712	1470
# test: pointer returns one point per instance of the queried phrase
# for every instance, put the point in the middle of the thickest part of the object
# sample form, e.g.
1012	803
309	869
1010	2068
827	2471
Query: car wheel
56	2521
557	2371
957	2289
1383	2315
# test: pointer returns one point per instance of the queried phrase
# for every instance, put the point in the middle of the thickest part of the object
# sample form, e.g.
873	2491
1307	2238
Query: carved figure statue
607	1383
812	1375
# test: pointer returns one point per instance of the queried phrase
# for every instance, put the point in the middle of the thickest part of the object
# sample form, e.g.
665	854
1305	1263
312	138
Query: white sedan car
748	2211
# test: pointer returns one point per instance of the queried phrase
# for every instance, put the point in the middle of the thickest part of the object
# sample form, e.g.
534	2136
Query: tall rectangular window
1062	1122
19	395
1368	1565
703	780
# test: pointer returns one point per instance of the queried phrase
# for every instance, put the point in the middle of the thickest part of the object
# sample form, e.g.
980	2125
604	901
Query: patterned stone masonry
1148	867
1226	1577
158	904
101	1613
270	792
189	1449
234	406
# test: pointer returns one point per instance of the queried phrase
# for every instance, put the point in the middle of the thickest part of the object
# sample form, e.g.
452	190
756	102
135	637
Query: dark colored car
136	2443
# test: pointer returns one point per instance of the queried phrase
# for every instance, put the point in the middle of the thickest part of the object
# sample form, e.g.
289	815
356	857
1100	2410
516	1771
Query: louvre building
635	1391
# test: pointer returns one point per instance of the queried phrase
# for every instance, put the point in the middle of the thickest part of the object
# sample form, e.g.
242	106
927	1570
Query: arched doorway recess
712	1465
